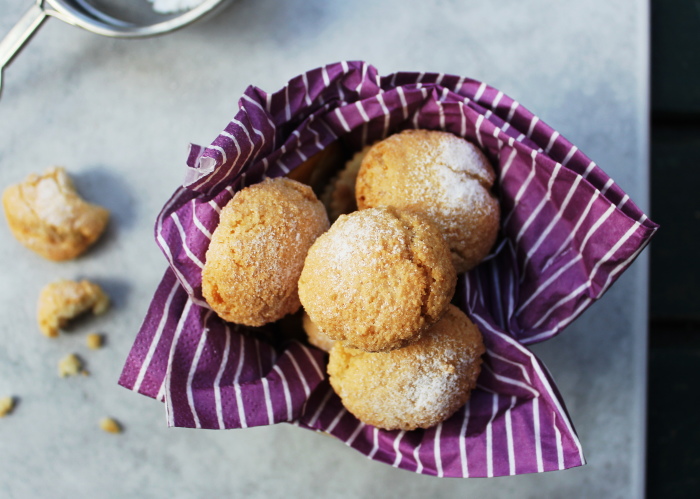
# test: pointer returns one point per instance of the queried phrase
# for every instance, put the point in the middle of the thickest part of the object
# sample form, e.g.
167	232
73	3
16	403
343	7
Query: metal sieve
114	18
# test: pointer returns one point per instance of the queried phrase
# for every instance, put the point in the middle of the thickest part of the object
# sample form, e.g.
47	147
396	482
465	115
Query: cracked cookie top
377	279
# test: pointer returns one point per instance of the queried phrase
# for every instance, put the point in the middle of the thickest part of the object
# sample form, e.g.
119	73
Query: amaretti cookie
47	215
439	174
315	336
339	195
258	249
377	279
417	386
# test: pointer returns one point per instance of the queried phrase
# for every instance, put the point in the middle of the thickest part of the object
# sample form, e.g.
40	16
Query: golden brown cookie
417	386
442	175
339	195
46	214
258	249
315	336
63	300
378	278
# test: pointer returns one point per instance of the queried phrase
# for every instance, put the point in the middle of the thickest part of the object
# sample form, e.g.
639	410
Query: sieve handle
20	34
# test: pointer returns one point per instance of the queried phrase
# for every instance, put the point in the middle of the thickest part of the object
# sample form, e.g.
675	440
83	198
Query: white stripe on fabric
168	374
221	151
463	442
302	378
589	169
237	385
397	450
479	121
531	129
238	151
336	419
217	380
560	447
361	110
166	249
356	432
268	102
509	437
307	97
526	375
439	79
572	233
511	381
523	188
591	276
540	206
250	139
341	118
480	92
287	106
375	443
156	338
287	394
569	155
268	401
463	120
193	369
320	408
183	237
283	166
543	379
558	216
552	140
214	206
607	186
497	297
622	202
538	438
596	225
416	457
313	362
387	114
404	104
198	223
497	99
549	281
509	162
489	436
513	106
324	75
436	450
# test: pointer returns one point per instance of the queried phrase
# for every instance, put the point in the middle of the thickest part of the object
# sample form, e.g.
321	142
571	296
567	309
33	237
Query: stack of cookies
376	287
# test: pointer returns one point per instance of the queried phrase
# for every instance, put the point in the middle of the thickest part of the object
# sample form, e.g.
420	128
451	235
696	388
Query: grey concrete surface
119	115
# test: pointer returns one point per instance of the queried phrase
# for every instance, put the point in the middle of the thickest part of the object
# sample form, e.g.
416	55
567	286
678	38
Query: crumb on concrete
7	404
110	425
71	365
94	341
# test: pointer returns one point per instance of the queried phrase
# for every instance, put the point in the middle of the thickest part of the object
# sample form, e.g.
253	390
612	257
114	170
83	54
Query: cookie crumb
7	404
110	425
94	341
71	365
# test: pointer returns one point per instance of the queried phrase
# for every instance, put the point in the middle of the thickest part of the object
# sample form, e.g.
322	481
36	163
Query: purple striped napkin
567	232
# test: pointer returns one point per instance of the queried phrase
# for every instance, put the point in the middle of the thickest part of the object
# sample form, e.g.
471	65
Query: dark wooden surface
673	449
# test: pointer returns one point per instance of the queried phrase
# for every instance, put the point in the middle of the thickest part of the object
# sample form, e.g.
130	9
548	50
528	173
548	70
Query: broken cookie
63	300
47	215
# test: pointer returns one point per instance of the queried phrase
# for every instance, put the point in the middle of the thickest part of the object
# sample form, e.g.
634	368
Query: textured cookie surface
63	300
439	174
258	249
417	386
377	279
46	214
